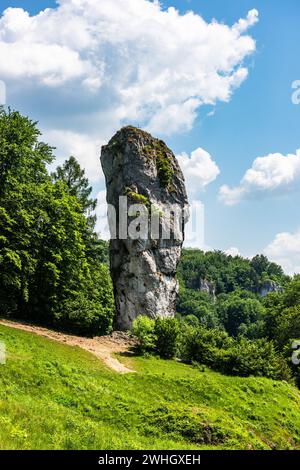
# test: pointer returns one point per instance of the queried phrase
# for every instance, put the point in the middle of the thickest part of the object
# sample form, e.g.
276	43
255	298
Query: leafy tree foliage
74	176
143	329
49	255
212	347
238	331
239	311
227	273
200	304
167	332
283	314
234	302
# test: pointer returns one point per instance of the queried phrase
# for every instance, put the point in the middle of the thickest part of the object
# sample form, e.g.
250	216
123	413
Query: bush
210	347
143	329
84	317
166	332
242	357
202	345
258	358
191	320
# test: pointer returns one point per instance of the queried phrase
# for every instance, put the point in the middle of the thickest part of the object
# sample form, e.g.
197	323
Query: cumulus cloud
231	196
127	60
199	170
285	250
272	174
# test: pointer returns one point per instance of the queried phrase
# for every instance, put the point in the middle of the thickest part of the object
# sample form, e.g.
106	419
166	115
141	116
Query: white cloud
122	60
272	174
51	64
233	251
199	170
231	196
243	24
177	116
285	250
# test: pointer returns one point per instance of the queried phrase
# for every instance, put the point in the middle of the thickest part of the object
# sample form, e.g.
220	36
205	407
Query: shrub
166	332
202	345
143	329
242	357
256	357
192	320
84	316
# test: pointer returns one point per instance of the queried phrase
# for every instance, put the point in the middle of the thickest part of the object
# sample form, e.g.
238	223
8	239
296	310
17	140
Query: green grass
56	397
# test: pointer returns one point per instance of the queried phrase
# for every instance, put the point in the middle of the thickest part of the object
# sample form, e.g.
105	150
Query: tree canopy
49	255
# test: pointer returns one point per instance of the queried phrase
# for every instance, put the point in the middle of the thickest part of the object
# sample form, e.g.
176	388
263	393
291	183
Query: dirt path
103	346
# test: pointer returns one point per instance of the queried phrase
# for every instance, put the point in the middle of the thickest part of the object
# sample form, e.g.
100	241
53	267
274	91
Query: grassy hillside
56	397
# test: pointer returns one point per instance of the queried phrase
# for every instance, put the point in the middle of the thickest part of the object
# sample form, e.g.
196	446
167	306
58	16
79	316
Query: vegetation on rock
136	197
164	167
160	153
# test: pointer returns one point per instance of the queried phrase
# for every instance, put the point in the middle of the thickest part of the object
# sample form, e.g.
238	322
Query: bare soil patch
101	346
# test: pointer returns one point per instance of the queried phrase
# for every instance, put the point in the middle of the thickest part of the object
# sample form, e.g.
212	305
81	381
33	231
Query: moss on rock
164	166
136	197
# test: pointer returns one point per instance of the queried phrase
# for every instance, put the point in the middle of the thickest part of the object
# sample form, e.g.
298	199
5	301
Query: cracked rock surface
143	268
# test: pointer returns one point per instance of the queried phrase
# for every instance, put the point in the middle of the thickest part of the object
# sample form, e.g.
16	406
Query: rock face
208	287
142	170
268	287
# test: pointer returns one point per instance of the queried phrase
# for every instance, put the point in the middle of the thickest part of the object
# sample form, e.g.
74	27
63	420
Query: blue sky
258	120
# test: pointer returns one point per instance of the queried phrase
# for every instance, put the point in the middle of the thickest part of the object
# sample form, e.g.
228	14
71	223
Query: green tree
238	309
23	173
166	331
74	176
143	329
78	186
47	246
283	314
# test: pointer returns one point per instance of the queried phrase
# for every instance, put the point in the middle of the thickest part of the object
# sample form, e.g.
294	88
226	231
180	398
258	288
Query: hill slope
54	396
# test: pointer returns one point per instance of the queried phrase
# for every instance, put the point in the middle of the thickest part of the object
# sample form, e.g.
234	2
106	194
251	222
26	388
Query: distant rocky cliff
263	290
207	286
268	287
145	171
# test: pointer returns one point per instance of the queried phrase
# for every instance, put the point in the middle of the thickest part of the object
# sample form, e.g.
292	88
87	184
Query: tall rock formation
140	169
